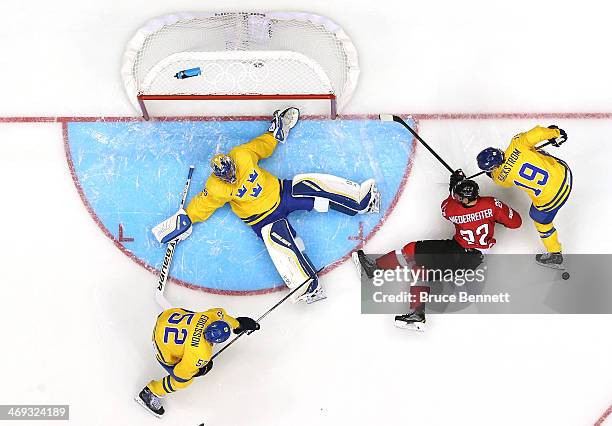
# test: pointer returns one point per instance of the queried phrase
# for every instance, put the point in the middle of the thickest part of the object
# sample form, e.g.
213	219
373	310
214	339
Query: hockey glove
455	178
176	227
246	324
558	141
202	371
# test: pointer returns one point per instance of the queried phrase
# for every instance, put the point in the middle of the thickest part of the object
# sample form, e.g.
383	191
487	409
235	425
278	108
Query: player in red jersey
474	218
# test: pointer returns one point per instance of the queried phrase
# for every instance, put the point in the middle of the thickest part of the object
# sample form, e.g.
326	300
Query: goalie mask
224	168
217	332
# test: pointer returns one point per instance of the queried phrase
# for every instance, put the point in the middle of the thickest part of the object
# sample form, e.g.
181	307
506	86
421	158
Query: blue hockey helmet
217	332
224	167
490	158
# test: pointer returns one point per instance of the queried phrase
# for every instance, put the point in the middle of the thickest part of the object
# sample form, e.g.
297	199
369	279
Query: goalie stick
164	271
287	296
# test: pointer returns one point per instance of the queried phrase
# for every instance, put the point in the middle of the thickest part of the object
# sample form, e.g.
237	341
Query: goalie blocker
176	227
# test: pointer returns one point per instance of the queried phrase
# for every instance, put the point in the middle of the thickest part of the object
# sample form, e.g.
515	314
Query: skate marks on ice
130	175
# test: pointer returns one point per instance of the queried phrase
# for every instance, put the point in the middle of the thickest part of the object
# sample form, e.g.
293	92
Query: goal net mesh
241	54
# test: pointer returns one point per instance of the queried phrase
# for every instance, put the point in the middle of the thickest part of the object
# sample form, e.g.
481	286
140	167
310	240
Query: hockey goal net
239	56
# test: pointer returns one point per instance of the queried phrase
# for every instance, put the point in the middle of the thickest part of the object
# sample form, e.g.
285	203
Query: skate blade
374	205
560	267
143	405
415	326
315	298
357	263
299	297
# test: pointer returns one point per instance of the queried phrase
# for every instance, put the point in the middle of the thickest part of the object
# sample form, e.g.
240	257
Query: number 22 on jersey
481	233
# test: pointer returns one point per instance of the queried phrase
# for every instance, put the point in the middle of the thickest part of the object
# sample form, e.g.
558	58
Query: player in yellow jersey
183	342
546	179
264	201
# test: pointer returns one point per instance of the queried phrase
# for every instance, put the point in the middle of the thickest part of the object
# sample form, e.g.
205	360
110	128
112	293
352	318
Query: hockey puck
565	275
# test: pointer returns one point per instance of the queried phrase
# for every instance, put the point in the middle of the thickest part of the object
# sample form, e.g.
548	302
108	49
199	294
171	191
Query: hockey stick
165	269
390	117
231	342
537	149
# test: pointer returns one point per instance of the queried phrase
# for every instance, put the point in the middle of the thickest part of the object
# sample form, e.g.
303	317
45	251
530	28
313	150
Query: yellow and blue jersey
254	195
180	345
546	179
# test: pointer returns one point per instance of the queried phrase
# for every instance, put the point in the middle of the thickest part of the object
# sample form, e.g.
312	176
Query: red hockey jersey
475	226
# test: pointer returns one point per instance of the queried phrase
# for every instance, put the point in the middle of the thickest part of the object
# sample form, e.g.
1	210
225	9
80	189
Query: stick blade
162	301
386	117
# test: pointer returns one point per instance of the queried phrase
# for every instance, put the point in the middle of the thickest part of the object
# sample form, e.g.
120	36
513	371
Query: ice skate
282	122
150	401
551	260
314	293
363	262
369	187
413	320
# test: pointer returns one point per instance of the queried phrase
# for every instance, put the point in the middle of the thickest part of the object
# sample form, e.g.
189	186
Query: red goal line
417	116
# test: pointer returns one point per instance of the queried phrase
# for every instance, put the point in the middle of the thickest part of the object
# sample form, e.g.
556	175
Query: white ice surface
77	313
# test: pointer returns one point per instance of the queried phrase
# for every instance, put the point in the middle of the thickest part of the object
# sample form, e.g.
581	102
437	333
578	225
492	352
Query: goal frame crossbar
234	97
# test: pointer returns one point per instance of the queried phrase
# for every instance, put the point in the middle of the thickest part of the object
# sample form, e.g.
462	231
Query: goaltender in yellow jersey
253	193
546	179
264	202
183	342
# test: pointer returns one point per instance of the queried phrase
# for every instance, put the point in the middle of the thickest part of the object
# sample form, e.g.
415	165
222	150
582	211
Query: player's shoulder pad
241	154
217	313
449	206
217	188
491	201
495	174
445	202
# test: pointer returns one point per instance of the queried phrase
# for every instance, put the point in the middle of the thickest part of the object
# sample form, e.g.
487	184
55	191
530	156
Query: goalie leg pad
178	226
337	193
286	251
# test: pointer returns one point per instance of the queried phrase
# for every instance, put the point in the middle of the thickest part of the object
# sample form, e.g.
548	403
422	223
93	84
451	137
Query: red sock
408	251
389	260
415	290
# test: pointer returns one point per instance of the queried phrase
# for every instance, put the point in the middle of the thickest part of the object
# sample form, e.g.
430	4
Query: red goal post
240	56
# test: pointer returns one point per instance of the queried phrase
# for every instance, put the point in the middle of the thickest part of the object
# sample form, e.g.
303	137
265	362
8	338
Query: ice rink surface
77	313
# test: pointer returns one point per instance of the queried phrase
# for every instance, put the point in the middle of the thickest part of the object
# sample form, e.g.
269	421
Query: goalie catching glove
559	140
176	227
